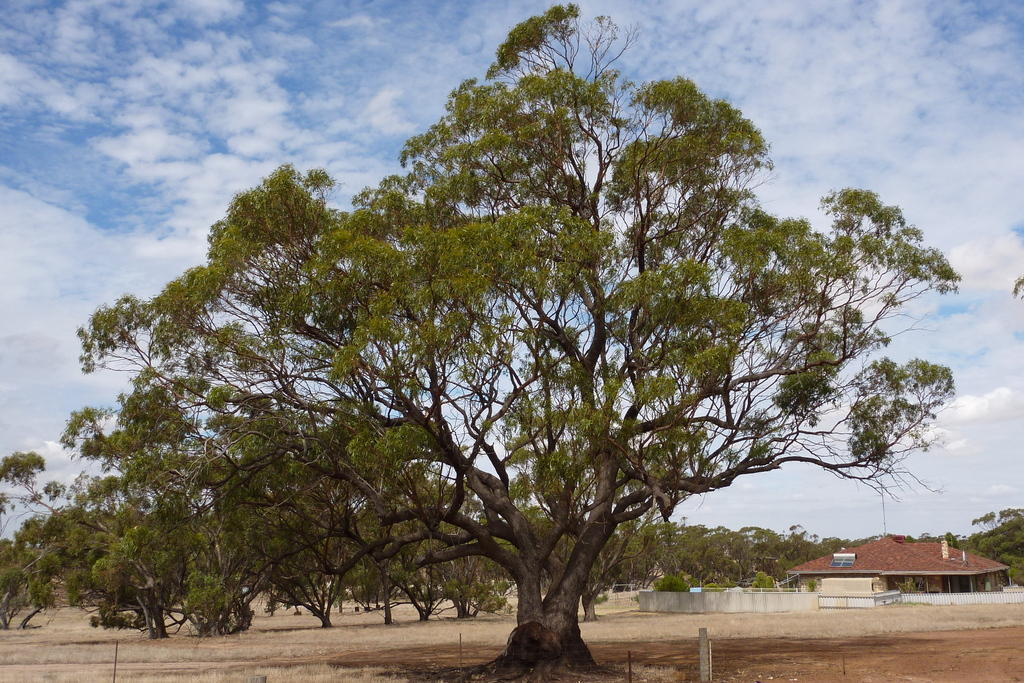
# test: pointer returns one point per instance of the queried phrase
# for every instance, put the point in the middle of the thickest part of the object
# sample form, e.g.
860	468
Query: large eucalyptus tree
571	311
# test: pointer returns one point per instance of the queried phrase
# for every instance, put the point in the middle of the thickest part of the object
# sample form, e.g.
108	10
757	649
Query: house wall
994	581
837	585
878	583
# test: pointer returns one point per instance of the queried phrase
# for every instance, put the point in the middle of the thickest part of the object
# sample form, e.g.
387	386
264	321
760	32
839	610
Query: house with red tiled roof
892	563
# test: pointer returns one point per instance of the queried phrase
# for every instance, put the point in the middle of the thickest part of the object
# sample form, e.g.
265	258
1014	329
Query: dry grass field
292	649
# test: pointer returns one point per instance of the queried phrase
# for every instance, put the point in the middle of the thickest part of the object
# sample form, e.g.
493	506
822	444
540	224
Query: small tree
475	585
26	589
763	581
28	568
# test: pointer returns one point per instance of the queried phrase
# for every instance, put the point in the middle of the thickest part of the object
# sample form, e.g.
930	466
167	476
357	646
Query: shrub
672	584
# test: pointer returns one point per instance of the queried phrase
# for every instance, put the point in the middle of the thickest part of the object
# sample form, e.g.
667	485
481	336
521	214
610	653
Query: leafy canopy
570	311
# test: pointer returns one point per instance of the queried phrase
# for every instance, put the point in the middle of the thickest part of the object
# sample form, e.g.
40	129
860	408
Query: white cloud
357	20
202	12
952	443
382	115
920	101
43	245
989	262
16	80
30	351
148	145
1000	404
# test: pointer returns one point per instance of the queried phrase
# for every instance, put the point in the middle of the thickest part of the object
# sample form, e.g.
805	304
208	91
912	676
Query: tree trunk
538	651
547	637
321	611
153	613
386	587
464	610
587	600
28	617
5	616
148	618
159	625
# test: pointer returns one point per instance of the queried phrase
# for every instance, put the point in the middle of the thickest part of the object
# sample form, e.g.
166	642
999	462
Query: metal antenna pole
882	497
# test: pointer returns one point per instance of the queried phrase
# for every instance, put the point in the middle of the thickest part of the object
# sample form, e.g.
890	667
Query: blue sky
126	126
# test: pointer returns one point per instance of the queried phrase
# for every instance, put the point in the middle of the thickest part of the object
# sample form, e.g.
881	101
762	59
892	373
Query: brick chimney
945	550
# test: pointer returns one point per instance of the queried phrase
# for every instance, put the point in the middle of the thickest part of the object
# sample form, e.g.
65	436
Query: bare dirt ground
967	644
988	655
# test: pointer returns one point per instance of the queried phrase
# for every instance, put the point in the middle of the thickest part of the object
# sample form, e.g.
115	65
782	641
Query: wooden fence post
704	656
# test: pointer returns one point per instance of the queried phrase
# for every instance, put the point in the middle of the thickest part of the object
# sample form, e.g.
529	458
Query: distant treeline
726	557
139	556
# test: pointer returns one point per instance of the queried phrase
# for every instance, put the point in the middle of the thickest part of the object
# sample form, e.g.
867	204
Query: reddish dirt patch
981	656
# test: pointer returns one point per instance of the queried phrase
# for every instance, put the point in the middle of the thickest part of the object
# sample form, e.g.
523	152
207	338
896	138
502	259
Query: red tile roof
887	556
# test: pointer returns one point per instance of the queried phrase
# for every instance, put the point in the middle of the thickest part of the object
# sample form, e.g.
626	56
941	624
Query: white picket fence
1001	598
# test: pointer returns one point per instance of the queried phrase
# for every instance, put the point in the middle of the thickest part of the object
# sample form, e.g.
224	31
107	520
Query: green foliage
672	583
763	580
214	608
475	585
28	570
139	547
20	469
570	313
725	556
1002	539
14	594
364	585
534	35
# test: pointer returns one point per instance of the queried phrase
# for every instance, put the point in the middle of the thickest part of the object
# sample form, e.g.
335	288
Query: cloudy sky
127	125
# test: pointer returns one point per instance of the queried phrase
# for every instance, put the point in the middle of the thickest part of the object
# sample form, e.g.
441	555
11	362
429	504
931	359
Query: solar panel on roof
843	560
